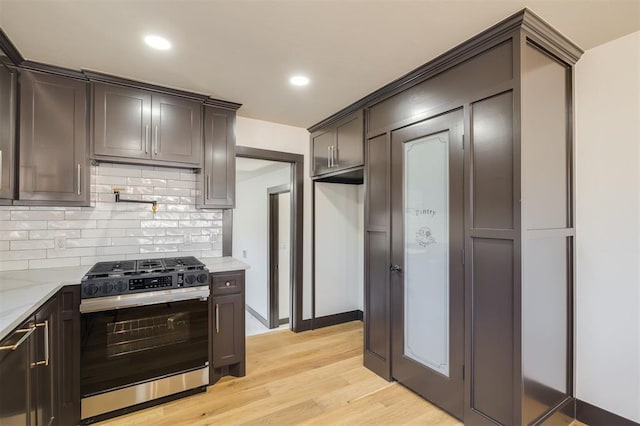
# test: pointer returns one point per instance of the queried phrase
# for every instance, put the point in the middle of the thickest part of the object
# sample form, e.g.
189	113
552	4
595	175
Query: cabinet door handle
27	332
329	156
79	179
156	142
334	160
206	186
0	169
44	324
217	319
146	138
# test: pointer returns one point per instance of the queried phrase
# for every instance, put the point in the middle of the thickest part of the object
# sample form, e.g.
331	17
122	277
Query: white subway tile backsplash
43	237
145	232
72	224
132	241
14	235
159	249
169	240
24	254
31	244
71	252
101	251
9	225
88	242
102	233
37	215
50	235
110	224
87	215
159	223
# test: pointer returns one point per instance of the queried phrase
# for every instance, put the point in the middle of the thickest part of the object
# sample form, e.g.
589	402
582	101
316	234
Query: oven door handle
108	303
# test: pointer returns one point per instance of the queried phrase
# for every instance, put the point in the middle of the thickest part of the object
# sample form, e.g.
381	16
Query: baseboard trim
335	319
257	316
596	416
283	321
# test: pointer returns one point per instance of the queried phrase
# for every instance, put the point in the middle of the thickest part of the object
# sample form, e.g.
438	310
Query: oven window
126	346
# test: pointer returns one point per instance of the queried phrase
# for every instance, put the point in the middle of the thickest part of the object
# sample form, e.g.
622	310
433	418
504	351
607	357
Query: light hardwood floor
310	378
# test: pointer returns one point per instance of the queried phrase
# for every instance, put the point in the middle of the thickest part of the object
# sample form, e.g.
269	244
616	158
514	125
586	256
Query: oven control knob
107	288
190	279
121	286
91	289
203	278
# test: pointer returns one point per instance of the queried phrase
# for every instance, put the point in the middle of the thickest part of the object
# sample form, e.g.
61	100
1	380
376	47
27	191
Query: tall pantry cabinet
512	89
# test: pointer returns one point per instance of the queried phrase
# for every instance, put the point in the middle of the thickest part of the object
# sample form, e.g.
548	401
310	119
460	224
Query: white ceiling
245	51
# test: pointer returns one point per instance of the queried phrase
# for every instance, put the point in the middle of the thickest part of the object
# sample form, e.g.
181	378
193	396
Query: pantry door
427	275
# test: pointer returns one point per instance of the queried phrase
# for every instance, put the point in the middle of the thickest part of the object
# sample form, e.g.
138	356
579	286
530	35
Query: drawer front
227	283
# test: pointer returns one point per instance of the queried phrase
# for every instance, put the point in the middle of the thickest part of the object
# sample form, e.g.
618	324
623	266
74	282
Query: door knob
395	268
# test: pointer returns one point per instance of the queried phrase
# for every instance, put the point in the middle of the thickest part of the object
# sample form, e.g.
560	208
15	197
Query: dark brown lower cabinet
38	365
227	353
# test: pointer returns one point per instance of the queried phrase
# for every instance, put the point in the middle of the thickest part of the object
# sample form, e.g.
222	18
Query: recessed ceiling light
157	42
299	80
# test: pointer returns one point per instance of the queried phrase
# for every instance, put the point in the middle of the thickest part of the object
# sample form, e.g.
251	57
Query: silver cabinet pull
44	324
329	156
79	179
156	142
217	318
146	138
206	186
0	169
27	332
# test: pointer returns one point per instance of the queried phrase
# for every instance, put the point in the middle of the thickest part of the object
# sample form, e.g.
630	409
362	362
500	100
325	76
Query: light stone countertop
23	292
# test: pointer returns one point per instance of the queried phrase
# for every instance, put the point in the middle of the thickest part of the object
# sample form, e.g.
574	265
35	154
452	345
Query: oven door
132	345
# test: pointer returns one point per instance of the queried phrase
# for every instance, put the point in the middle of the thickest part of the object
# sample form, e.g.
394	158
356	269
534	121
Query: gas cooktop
136	276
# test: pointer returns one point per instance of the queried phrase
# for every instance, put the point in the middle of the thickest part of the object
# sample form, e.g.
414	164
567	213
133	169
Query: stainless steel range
144	333
137	276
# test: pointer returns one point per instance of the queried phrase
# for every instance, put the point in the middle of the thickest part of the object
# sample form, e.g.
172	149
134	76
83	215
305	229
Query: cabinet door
322	142
53	138
217	182
68	355
7	132
15	403
349	151
44	365
122	121
177	129
228	330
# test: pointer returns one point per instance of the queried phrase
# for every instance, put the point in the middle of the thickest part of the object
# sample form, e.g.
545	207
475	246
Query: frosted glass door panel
426	246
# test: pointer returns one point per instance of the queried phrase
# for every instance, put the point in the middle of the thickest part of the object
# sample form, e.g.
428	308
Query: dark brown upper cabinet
138	126
53	140
7	133
217	182
339	146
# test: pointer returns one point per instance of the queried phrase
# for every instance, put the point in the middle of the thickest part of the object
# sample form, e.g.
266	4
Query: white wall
251	231
279	137
608	226
339	248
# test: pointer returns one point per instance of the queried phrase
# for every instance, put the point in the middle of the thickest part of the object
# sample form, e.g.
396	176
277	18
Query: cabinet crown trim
525	19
